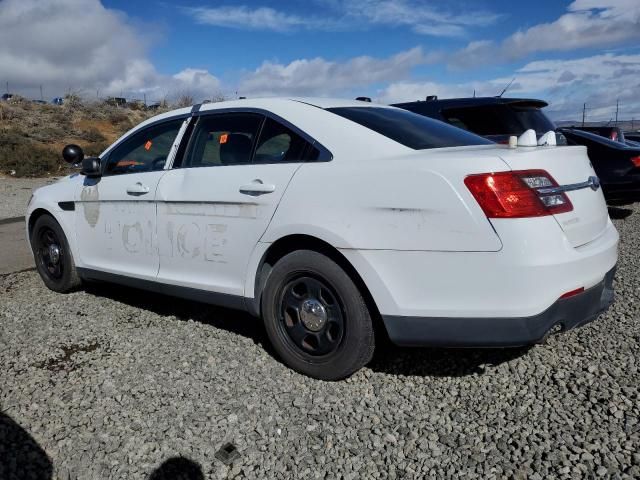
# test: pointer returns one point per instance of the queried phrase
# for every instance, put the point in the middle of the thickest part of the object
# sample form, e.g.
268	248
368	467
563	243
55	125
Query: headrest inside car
237	149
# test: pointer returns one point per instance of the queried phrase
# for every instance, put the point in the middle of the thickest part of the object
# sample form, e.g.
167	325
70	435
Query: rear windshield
408	128
499	119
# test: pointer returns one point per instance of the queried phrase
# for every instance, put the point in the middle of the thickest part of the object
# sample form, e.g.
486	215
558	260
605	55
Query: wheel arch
35	215
64	219
293	242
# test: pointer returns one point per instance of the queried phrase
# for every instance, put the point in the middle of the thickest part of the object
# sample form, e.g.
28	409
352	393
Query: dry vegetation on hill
32	135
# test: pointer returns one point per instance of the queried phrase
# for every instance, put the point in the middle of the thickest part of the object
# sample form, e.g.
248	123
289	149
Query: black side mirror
72	154
91	167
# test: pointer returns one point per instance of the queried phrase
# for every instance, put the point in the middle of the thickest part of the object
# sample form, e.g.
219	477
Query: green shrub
95	149
92	135
28	160
46	133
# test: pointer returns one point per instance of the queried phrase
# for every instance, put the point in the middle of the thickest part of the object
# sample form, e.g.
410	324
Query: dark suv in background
616	162
495	118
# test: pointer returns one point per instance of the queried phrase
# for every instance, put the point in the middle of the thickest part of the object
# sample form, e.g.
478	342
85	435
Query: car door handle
137	189
257	188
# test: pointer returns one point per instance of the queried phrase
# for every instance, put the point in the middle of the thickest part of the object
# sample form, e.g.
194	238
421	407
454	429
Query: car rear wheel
316	317
53	256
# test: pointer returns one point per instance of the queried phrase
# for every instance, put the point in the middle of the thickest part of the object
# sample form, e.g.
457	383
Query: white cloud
599	81
409	91
243	17
420	17
588	23
346	15
322	77
82	46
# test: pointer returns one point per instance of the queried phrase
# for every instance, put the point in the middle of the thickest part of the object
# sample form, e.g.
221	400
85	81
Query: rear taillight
516	194
572	293
636	161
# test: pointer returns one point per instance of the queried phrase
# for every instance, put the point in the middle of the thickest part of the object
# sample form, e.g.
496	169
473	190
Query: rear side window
144	151
278	143
408	128
499	119
225	139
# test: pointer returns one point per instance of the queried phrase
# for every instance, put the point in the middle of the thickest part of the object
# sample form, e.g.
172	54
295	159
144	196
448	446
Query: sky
566	52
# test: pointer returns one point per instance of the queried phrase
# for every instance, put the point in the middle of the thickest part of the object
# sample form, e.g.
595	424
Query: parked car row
338	223
615	155
10	97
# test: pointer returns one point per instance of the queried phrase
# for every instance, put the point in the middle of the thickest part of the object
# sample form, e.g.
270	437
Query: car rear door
116	213
217	201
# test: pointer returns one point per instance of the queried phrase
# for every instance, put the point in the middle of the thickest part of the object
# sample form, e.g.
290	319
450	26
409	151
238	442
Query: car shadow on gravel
617	213
234	321
21	458
441	362
433	362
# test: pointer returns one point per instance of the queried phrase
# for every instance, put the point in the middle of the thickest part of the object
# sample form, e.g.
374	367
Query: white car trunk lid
570	167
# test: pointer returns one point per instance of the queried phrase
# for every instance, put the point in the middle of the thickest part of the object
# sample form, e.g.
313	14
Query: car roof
274	104
271	102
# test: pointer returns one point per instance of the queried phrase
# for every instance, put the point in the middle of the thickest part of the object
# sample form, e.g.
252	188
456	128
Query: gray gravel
111	383
15	193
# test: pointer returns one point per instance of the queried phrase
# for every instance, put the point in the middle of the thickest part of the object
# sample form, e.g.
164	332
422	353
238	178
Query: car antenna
507	87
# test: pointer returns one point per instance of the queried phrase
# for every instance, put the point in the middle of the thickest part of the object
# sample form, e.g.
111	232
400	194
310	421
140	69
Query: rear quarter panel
411	202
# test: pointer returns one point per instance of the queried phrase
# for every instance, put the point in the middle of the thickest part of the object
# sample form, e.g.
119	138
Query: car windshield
408	128
499	119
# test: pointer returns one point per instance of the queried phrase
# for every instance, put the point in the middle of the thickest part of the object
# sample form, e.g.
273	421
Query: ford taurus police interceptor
336	222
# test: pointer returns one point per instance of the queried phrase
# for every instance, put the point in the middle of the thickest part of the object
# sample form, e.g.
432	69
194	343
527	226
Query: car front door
116	213
215	205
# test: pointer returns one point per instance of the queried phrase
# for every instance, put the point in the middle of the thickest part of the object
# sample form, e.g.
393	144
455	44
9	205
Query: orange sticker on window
147	146
224	137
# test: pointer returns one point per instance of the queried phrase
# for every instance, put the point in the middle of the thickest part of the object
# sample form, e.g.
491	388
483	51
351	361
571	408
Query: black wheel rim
311	316
50	253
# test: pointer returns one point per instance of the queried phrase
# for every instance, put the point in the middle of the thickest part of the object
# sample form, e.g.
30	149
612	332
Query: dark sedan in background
615	160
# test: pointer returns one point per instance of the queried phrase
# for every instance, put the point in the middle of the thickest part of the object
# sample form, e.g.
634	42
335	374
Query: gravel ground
15	193
110	383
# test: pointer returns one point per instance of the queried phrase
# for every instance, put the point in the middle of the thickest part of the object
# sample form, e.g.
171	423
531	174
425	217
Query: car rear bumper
564	314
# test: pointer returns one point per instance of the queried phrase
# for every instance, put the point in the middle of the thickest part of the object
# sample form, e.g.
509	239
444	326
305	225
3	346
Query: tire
52	255
316	317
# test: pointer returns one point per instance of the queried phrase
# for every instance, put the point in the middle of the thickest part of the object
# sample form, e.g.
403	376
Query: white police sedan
337	222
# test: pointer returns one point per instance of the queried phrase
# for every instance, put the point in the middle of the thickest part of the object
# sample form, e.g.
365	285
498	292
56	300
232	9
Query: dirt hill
32	135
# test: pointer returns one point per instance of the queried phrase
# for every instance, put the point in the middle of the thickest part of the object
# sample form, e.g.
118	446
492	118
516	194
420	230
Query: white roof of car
268	103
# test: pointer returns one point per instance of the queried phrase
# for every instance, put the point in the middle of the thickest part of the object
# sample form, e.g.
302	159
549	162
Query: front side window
223	139
144	151
408	128
278	143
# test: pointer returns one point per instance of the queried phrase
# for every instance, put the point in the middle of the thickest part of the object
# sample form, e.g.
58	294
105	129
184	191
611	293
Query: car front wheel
53	256
316	317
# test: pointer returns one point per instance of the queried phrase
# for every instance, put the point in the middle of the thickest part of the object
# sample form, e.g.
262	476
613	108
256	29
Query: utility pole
7	87
617	105
584	110
41	96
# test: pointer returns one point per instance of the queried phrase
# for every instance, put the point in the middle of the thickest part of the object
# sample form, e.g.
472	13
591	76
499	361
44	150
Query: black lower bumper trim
566	313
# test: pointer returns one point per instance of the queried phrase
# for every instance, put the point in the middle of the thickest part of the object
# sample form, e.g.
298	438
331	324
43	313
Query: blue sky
566	52
231	50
